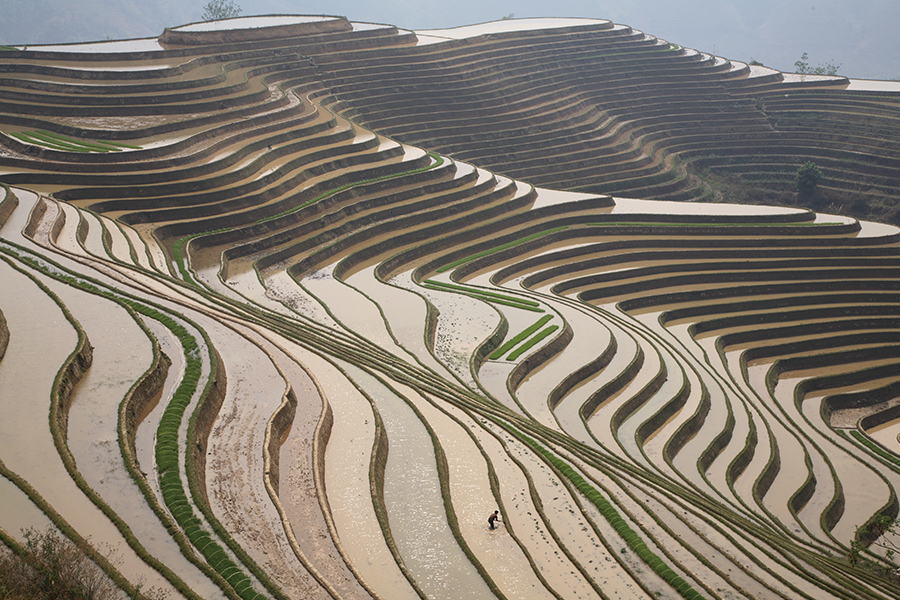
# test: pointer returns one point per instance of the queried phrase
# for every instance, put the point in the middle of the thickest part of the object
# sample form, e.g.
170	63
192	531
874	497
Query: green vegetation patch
531	343
512	342
437	162
490	251
487	296
55	141
178	247
611	514
877	449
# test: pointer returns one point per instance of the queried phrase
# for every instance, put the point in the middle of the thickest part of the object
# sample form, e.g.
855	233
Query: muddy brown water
888	435
67	240
674	379
463	324
590	338
121	354
725	554
19	512
703	367
149	254
119	247
405	313
298	492
347	459
282	288
93	243
559	512
493	376
627	351
354	311
736	545
412	494
722	400
235	468
523	520
793	470
861	486
38	348
470	493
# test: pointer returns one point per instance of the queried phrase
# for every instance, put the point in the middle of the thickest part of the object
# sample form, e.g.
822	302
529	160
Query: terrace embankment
4	335
610	109
370	333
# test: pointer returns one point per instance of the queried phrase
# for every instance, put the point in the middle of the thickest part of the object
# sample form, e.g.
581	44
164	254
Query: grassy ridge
167	451
512	342
55	141
167	456
490	251
487	296
631	537
532	342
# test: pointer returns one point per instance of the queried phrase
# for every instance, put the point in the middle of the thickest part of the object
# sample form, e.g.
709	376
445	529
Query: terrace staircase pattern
287	312
609	109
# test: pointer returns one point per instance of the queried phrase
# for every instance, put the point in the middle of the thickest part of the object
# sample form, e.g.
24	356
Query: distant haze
860	37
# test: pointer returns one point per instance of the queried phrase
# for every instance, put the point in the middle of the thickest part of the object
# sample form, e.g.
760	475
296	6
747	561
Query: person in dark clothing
492	520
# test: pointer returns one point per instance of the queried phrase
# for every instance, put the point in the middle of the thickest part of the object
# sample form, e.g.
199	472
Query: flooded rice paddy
304	359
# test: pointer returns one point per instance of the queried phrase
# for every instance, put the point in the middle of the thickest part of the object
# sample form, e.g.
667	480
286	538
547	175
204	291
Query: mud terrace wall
290	306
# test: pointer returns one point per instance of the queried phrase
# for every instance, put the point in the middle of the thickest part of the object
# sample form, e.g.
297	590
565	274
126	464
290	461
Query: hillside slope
290	305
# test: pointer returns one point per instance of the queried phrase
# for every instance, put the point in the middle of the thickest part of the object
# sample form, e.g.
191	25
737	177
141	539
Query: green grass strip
100	144
57	141
61	139
512	342
178	247
532	342
490	251
877	448
29	139
668	224
76	144
481	292
611	514
489	298
438	161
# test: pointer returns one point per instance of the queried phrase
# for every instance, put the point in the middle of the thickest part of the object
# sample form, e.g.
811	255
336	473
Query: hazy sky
859	36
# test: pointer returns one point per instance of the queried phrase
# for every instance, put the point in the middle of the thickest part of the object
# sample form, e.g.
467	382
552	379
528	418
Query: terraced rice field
283	315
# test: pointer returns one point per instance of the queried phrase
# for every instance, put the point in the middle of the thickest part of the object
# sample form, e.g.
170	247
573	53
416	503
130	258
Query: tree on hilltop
220	9
803	67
